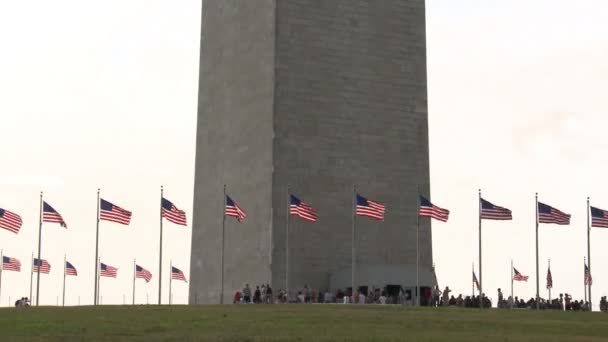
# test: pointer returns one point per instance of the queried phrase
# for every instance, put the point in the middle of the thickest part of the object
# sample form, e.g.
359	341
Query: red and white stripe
175	215
10	221
518	276
45	267
304	211
11	264
373	209
435	212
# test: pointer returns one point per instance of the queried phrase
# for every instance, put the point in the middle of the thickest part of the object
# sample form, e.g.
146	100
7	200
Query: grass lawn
296	323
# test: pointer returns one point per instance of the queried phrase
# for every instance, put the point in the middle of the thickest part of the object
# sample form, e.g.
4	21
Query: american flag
51	215
548	214
476	282
107	270
490	211
44	266
111	212
176	274
11	264
599	218
427	209
143	273
302	210
70	269
369	208
588	279
518	276
233	209
549	279
172	214
10	221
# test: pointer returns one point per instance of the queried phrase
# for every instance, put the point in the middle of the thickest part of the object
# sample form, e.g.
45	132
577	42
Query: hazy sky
104	95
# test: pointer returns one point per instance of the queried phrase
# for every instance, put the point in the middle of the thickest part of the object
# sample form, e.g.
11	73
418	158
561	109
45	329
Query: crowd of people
23	301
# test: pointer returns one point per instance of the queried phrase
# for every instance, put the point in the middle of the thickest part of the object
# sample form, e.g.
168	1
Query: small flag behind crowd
70	269
549	279
107	271
548	214
588	280
44	266
176	274
113	213
172	214
302	210
11	264
490	211
427	209
233	210
10	221
476	282
49	214
599	218
143	273
369	208
518	276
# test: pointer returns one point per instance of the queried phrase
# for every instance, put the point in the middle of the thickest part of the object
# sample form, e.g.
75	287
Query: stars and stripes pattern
107	271
369	208
518	276
113	213
10	221
70	269
171	213
301	209
427	209
41	264
49	214
176	274
599	218
11	264
233	210
549	279
490	211
142	273
548	214
476	282
588	279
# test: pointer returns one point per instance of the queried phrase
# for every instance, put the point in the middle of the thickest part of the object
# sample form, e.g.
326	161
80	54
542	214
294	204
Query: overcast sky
104	95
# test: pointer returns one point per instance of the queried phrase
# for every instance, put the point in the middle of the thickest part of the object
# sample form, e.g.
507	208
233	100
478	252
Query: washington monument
320	96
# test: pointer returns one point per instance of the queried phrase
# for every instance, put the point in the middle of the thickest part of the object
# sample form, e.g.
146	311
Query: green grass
296	323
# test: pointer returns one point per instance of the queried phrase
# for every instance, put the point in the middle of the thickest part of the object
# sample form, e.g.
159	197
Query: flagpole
473	282
96	291
134	274
31	276
170	280
287	245
160	252
64	269
512	297
223	243
98	282
480	272
417	247
551	282
537	281
1	267
352	261
39	248
589	251
585	278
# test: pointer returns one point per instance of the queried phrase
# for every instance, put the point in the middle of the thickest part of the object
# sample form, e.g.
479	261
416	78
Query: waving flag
518	276
70	269
11	264
549	279
143	273
302	210
107	271
51	215
427	209
113	213
176	274
548	214
490	211
44	266
10	221
172	214
588	280
233	210
599	218
369	208
476	282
